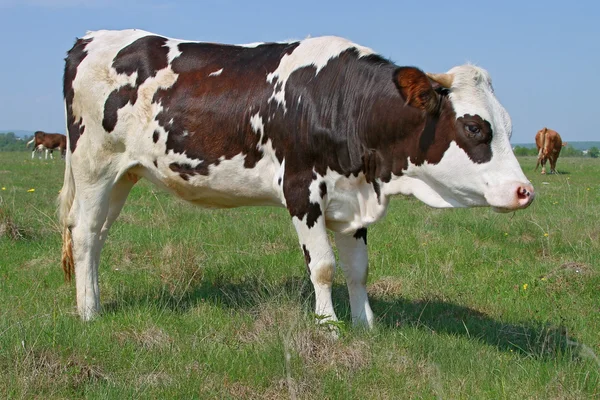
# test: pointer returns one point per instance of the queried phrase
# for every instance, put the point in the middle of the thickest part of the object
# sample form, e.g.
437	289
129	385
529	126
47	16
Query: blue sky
544	57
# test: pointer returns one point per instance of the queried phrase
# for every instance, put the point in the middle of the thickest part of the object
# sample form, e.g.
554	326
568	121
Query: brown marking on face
74	57
474	136
155	136
400	133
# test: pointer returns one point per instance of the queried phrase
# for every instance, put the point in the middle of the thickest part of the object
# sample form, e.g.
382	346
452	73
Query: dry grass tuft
403	365
238	390
35	262
305	388
128	217
320	350
569	268
219	386
44	369
527	238
270	320
181	267
447	269
42	262
150	339
276	391
155	379
270	248
578	268
8	228
386	287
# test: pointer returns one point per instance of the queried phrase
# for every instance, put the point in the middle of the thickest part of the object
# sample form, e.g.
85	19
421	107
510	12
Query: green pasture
216	304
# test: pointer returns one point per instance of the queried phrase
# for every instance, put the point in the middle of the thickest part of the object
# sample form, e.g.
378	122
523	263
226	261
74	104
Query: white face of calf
479	167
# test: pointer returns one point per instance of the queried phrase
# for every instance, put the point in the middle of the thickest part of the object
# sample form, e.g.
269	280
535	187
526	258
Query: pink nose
525	195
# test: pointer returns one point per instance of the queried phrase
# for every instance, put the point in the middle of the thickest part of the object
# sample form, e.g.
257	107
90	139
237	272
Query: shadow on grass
532	339
558	172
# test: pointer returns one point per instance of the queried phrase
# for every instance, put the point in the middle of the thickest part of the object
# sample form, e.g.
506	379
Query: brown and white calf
549	144
323	126
49	142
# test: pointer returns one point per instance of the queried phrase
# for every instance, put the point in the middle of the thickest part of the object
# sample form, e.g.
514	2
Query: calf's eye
473	129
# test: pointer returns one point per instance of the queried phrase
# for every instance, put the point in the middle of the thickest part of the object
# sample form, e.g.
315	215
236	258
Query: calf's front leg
352	250
320	262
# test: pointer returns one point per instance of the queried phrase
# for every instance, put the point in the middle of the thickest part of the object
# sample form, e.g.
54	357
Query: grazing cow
49	142
549	145
324	127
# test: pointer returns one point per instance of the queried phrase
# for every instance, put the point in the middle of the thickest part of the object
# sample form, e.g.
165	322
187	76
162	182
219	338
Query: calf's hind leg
95	208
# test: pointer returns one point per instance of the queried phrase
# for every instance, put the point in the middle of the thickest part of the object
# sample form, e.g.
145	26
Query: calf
549	145
323	127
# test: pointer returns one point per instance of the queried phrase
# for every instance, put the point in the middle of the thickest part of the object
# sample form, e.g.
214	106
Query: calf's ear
416	89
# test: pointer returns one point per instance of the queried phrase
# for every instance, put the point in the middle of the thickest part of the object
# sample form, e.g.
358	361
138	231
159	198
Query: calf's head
464	157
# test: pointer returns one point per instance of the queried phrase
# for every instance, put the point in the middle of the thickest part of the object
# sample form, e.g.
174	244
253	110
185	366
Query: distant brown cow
49	142
549	144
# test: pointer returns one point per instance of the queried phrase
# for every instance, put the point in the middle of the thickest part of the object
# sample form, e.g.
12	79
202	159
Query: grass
216	304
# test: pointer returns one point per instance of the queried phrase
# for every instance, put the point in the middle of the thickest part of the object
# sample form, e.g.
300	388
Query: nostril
525	194
522	193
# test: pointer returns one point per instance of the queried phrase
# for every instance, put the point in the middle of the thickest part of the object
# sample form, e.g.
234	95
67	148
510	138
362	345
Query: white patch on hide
352	202
316	52
256	122
174	51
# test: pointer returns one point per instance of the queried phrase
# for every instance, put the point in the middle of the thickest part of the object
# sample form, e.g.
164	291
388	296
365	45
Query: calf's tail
65	203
